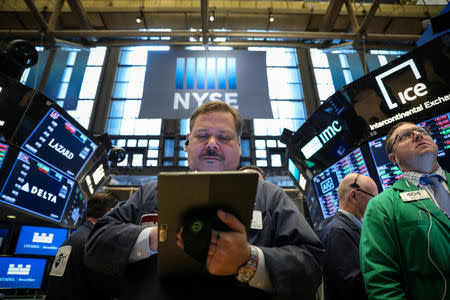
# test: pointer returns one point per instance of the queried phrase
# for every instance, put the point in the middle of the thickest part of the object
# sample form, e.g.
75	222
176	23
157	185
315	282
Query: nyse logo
410	93
200	79
19	270
43	238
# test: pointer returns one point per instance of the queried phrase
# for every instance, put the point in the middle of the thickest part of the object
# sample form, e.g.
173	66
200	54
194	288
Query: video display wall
327	182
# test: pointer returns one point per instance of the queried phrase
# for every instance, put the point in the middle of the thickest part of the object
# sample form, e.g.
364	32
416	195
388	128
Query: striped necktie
441	195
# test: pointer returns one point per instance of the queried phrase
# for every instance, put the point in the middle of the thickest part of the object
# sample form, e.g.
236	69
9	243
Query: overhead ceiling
322	24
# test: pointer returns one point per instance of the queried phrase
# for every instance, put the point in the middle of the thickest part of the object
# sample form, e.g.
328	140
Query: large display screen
387	171
36	240
410	88
60	143
440	132
76	209
327	182
328	134
21	273
34	186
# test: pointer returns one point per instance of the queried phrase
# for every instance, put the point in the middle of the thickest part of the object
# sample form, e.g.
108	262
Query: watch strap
248	270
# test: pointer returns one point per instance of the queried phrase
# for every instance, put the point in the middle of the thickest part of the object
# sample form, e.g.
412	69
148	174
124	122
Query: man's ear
392	158
186	143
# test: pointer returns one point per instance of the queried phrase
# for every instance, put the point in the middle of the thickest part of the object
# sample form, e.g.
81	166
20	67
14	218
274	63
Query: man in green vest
405	240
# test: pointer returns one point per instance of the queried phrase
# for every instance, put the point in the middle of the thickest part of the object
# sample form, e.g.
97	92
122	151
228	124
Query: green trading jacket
395	260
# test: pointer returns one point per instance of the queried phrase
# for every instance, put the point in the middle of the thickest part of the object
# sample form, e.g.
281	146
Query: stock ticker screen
34	186
327	182
3	150
387	171
440	132
60	143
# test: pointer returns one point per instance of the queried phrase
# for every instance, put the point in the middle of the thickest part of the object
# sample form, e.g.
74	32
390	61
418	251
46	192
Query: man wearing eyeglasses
405	240
340	236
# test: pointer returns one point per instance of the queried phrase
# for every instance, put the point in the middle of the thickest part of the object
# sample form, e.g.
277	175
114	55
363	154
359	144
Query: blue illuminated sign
40	240
179	81
21	273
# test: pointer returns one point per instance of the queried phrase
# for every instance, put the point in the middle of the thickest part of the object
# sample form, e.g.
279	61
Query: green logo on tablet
197	226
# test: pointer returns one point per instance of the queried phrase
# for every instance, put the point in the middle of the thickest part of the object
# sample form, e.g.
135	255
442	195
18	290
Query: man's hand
228	250
154	238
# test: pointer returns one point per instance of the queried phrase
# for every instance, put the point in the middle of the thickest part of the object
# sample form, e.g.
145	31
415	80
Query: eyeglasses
408	133
358	188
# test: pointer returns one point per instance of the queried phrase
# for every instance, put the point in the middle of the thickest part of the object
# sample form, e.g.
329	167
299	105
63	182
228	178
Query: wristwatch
247	270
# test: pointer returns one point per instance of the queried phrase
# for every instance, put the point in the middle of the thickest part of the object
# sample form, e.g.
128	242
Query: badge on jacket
60	262
256	220
414	195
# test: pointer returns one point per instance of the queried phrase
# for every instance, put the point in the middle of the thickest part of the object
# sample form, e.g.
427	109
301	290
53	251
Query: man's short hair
219	106
389	141
253	167
100	203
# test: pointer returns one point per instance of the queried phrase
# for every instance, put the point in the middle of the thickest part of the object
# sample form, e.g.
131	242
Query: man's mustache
211	152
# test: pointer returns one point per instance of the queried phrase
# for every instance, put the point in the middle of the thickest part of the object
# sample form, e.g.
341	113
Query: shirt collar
414	177
355	220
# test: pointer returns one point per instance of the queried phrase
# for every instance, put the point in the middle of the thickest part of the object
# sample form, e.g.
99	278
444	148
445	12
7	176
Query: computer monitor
387	171
31	185
34	240
327	182
440	132
21	272
60	143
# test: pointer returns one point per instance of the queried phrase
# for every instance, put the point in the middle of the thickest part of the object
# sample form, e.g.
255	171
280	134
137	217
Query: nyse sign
185	100
179	81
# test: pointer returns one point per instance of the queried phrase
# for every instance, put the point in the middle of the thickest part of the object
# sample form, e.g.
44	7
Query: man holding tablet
280	257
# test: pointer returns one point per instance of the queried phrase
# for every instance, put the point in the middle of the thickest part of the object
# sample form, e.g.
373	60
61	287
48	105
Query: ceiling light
271	18
11	216
211	15
138	19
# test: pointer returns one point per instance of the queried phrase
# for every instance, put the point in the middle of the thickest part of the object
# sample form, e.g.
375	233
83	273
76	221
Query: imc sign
177	82
414	87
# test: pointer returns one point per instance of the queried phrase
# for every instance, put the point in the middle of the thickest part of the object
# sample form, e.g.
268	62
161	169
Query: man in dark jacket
281	256
69	277
341	234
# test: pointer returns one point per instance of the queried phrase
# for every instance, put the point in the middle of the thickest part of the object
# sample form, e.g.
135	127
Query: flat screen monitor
60	143
413	88
295	172
329	133
3	151
327	182
21	272
36	240
387	171
440	132
76	209
33	186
